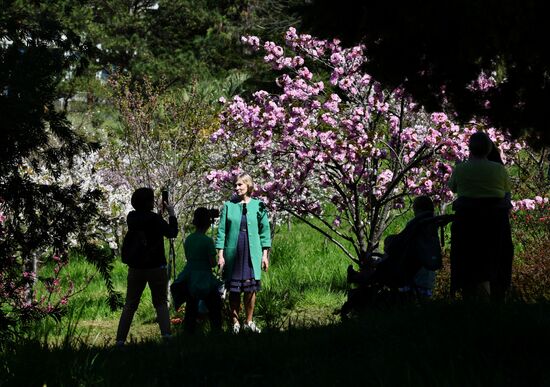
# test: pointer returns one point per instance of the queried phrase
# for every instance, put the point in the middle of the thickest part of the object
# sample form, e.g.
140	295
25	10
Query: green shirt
197	273
480	179
199	251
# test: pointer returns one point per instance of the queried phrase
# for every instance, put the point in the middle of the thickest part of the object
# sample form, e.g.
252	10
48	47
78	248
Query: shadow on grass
434	345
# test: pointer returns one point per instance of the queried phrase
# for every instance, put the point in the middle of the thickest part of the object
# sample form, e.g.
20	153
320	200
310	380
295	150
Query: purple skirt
242	278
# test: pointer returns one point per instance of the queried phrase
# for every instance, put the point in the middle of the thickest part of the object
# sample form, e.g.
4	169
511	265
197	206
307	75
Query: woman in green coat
243	242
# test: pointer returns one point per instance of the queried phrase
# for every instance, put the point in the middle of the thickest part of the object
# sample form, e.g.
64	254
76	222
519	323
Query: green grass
302	343
304	285
307	274
435	345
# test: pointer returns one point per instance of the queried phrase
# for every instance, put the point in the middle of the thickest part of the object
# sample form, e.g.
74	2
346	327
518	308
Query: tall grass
307	275
436	345
304	284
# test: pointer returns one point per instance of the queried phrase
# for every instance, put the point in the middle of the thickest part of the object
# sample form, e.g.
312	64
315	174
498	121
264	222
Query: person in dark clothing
411	257
481	244
406	270
150	268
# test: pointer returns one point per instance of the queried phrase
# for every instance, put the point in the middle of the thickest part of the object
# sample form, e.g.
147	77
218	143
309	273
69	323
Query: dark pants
481	249
213	303
158	283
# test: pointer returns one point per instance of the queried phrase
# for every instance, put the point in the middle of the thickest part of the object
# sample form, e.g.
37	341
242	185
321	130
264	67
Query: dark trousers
481	250
213	303
158	283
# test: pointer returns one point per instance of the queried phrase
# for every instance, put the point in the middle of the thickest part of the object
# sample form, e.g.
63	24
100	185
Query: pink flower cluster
484	82
219	179
28	295
314	130
252	41
353	144
530	204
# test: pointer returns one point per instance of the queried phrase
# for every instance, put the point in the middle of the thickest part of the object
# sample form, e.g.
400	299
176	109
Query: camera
165	201
165	197
213	213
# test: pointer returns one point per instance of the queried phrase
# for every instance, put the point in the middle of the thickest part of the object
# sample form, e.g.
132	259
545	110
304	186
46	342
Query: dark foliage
432	345
431	46
39	217
179	40
531	273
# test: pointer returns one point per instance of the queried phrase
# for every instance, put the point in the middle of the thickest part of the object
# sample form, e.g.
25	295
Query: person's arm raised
170	229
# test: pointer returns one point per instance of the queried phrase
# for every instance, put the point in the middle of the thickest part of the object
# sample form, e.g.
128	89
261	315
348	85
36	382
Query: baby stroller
388	278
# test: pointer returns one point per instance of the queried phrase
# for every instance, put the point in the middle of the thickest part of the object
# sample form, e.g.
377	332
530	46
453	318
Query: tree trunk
31	266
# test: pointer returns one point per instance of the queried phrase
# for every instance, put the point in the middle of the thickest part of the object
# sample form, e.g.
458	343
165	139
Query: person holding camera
144	255
243	243
196	281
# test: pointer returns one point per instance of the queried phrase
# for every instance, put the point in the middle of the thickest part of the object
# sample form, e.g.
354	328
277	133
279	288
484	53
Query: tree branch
328	236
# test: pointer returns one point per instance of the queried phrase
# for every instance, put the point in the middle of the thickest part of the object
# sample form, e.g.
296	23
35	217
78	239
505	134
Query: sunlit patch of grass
306	279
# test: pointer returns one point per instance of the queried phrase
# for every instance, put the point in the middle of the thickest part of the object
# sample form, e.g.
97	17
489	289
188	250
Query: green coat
197	273
259	234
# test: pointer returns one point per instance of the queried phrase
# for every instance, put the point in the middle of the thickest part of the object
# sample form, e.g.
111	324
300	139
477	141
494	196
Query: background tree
335	148
437	49
176	41
162	141
40	213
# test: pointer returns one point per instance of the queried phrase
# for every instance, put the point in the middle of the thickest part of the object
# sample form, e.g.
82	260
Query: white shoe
251	327
236	328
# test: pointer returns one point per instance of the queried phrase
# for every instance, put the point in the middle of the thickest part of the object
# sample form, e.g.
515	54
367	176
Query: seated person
196	281
410	257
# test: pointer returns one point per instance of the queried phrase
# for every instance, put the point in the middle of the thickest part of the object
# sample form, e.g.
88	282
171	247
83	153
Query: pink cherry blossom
357	145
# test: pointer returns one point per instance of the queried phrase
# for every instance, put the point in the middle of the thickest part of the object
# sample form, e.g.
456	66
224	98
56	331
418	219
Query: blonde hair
247	179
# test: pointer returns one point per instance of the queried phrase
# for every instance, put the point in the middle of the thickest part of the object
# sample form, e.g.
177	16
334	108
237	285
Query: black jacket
155	229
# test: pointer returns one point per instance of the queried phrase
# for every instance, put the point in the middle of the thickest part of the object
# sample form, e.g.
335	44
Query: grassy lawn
305	284
438	345
302	343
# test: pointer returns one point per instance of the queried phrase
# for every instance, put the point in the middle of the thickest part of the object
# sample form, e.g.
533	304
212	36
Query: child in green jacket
197	282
